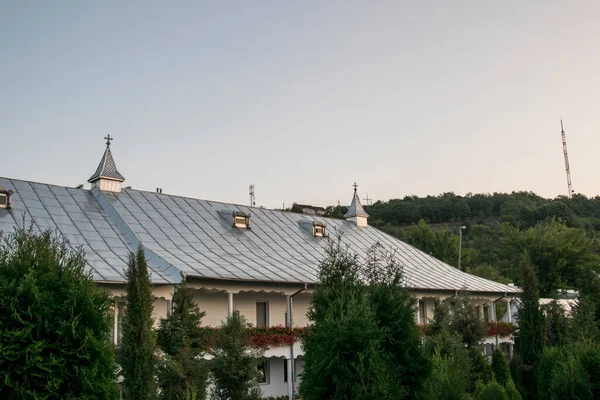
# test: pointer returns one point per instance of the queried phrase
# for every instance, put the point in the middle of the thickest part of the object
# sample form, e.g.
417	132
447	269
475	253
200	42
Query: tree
54	322
343	355
584	326
234	366
557	324
500	368
490	391
467	323
529	337
183	343
394	310
136	353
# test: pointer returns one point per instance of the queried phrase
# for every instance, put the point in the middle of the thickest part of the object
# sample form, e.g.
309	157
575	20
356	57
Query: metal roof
188	235
107	168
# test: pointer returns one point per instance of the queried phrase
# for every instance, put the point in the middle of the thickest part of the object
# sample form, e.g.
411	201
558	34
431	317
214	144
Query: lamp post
460	244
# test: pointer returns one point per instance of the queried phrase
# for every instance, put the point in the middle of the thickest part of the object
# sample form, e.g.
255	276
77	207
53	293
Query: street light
460	244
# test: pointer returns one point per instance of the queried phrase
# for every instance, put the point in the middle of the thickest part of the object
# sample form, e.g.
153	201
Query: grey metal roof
356	209
107	168
188	235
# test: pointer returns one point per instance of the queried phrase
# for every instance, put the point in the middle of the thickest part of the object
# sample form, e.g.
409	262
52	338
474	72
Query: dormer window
241	220
318	229
5	197
315	228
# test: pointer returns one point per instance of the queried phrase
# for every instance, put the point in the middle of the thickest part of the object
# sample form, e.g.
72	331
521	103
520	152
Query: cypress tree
54	323
183	343
233	367
500	368
343	354
529	338
136	354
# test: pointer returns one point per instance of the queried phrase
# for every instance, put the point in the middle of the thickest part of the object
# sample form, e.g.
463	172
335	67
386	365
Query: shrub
54	323
481	370
511	391
234	364
500	368
490	391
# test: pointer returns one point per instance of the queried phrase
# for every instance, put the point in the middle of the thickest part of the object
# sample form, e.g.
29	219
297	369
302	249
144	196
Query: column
509	313
481	313
492	312
230	303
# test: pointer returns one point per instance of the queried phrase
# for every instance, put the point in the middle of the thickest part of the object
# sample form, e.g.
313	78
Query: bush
481	370
490	391
500	368
450	377
569	372
54	323
511	391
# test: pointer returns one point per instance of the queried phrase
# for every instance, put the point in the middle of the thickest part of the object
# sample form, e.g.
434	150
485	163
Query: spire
107	177
356	212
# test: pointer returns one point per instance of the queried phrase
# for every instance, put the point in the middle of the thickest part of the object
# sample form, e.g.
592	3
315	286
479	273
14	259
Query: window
262	314
318	229
263	371
5	197
241	220
285	371
422	312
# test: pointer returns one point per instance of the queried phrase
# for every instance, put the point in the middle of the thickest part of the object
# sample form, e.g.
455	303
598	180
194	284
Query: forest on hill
560	236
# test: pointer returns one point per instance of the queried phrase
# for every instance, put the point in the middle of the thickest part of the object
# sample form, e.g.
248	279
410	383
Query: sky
302	99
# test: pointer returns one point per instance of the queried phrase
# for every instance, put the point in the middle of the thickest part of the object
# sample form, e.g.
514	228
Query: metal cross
355	186
108	139
368	200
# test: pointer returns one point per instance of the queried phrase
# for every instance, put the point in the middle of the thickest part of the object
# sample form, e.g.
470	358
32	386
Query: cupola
356	213
107	178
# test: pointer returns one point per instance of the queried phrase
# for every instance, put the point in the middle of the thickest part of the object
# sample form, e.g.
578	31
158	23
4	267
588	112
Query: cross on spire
108	139
355	186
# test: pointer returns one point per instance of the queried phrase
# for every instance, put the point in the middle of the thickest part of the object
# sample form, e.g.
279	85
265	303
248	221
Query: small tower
356	213
106	177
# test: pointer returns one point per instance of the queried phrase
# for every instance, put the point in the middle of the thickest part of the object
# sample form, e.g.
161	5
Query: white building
236	257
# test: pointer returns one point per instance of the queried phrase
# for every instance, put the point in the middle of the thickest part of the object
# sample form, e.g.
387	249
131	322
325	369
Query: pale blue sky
303	98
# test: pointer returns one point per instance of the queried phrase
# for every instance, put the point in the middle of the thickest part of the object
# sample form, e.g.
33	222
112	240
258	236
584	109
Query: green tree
394	310
557	324
183	343
234	365
490	391
481	370
530	335
450	377
343	355
54	323
584	326
500	368
136	353
467	323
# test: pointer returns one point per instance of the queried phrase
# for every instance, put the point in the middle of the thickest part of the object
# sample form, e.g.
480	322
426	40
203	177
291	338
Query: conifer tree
343	355
529	338
394	310
183	343
233	366
136	354
54	323
500	368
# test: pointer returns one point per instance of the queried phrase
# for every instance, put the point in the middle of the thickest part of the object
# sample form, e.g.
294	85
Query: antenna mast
564	143
252	199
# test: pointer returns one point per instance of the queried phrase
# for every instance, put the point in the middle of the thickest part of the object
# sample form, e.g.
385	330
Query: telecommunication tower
252	198
564	143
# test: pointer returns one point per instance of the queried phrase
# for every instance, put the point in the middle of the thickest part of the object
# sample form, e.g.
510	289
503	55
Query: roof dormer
238	219
5	197
315	228
107	178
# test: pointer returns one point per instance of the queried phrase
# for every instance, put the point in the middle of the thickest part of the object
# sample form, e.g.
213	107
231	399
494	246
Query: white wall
277	385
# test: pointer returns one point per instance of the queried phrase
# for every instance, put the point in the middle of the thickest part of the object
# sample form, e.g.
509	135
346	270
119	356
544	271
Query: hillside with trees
561	235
